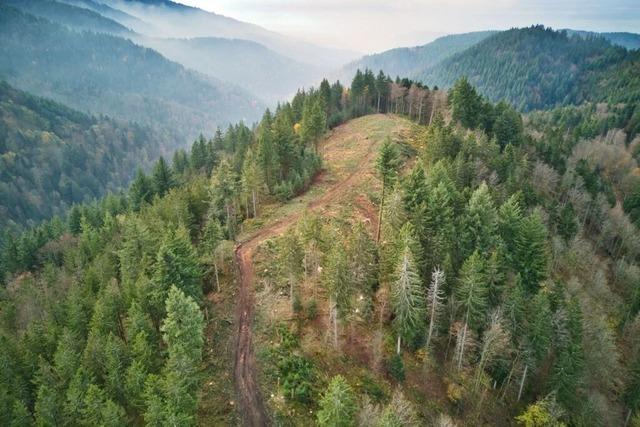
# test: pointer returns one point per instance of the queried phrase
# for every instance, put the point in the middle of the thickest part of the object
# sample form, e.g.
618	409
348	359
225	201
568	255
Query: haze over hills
409	61
267	74
105	74
174	20
370	253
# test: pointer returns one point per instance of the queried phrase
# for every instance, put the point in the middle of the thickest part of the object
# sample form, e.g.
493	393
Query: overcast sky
375	25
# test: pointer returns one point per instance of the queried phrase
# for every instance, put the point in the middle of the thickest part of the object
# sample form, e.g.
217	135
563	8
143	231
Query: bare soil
252	407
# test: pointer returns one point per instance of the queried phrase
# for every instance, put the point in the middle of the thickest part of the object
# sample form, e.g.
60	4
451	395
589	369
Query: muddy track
251	403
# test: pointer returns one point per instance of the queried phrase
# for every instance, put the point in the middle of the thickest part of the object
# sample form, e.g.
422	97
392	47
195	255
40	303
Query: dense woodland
52	157
105	74
538	67
507	256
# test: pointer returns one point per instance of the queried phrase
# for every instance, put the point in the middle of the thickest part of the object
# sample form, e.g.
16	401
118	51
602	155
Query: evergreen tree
337	280
471	293
162	177
224	192
531	251
251	183
407	298
182	332
387	165
480	222
176	265
291	260
435	298
466	103
337	405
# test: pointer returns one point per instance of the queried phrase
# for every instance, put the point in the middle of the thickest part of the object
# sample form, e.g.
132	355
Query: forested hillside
627	40
104	74
476	268
409	61
247	64
73	17
52	156
537	67
89	314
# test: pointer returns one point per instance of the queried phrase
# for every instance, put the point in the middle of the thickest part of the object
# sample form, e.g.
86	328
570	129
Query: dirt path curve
252	407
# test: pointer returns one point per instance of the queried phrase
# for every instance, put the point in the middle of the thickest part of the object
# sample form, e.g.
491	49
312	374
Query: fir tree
387	165
337	405
162	177
407	297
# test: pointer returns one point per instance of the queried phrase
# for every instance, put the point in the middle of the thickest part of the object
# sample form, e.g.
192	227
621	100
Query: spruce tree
338	405
182	332
407	298
387	165
531	251
176	265
162	177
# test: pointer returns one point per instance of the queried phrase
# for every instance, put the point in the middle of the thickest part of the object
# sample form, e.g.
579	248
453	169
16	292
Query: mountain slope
247	64
533	67
109	75
407	61
69	16
52	156
627	40
166	19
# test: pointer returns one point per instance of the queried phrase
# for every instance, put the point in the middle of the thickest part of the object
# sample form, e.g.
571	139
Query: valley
204	221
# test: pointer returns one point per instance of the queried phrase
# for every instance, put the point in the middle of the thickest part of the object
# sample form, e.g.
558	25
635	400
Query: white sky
374	25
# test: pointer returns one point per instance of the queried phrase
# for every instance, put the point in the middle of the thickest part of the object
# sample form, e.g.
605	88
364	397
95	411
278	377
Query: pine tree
471	294
466	103
472	290
291	260
387	165
210	240
176	265
337	405
531	251
435	298
337	281
266	152
480	222
182	332
224	193
509	223
251	183
407	297
162	177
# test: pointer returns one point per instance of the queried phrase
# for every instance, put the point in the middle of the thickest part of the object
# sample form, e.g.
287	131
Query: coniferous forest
457	246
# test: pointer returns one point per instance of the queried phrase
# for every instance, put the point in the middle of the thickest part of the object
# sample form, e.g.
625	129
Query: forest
501	263
52	157
538	67
104	74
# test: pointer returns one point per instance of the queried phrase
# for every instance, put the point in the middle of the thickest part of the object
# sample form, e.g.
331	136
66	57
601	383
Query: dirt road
252	407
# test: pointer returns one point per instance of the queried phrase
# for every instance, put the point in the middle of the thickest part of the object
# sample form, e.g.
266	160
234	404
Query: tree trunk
398	346
464	339
380	213
253	196
215	270
335	325
524	375
378	107
433	109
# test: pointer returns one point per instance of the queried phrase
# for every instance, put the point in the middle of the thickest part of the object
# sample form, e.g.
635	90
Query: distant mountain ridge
408	61
110	75
175	20
627	40
538	67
